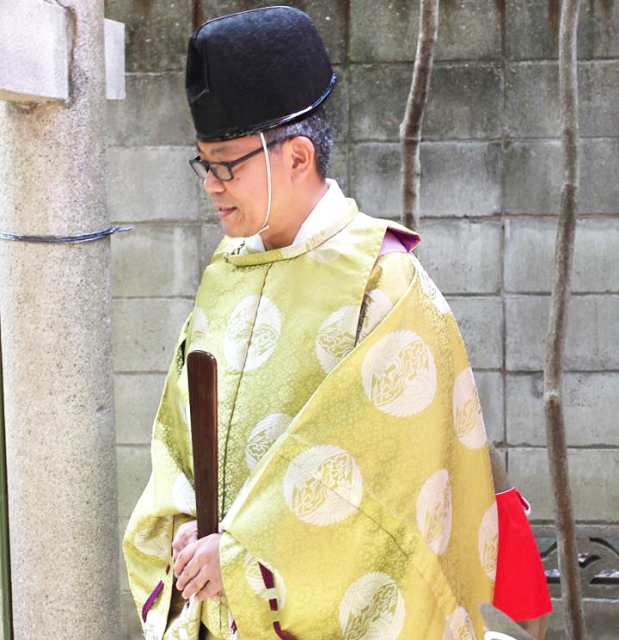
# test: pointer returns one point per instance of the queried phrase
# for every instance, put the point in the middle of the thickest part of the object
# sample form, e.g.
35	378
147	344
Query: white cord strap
265	225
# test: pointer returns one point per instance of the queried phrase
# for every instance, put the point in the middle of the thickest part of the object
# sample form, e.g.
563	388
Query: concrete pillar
55	304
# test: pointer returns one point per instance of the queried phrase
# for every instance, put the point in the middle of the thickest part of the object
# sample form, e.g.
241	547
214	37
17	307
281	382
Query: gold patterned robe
355	487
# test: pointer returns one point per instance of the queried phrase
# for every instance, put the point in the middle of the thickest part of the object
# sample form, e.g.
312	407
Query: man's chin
234	231
231	231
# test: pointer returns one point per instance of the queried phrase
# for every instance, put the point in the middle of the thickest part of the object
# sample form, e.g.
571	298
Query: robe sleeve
167	502
390	278
521	589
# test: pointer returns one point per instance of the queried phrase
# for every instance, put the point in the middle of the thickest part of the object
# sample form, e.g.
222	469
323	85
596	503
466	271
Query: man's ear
301	154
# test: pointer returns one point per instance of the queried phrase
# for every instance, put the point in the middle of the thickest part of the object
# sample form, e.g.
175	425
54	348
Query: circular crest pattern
199	327
323	485
183	495
336	337
263	435
399	374
468	418
154	541
252	333
377	307
458	626
430	288
183	410
372	609
155	625
488	541
324	254
254	577
434	511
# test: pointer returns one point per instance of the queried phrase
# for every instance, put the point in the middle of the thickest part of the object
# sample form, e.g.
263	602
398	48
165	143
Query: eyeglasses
223	170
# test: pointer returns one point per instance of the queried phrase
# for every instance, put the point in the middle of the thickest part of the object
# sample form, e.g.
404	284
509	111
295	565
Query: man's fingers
208	591
186	534
183	561
189	566
195	584
197	569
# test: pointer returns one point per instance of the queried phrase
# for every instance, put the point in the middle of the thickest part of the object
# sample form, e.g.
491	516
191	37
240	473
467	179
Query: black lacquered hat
255	70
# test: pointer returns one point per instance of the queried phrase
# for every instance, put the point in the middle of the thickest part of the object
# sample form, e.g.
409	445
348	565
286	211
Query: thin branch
410	129
555	349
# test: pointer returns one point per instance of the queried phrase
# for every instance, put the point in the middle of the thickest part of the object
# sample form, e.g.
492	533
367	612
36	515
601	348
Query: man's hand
196	564
186	534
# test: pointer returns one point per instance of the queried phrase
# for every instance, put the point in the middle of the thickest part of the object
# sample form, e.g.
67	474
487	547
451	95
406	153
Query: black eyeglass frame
202	167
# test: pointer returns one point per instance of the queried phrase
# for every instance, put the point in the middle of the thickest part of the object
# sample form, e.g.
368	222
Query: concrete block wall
490	193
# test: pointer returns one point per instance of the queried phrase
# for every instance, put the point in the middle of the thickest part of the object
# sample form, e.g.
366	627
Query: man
355	491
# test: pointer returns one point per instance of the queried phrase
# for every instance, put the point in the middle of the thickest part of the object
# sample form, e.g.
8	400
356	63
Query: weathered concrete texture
134	466
153	183
153	258
154	113
375	179
598	98
210	237
132	626
583	394
532	99
591	335
55	303
593	472
530	249
157	32
532	33
208	212
329	16
114	40
35	56
467	31
459	179
464	101
462	256
480	321
603	22
377	97
599	168
491	396
145	332
136	397
600	618
533	176
338	169
337	106
532	106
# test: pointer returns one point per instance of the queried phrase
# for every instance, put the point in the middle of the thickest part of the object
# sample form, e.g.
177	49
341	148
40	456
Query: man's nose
212	184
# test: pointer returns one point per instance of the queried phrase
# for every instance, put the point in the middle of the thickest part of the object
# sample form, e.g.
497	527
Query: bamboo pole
410	129
555	347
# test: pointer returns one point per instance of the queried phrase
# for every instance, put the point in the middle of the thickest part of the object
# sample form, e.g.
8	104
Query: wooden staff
202	381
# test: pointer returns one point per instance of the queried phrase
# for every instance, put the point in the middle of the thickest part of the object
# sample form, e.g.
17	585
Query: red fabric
520	590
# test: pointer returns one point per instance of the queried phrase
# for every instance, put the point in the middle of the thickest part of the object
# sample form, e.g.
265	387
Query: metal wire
72	239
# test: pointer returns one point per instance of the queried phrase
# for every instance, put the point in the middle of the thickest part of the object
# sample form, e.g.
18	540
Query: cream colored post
55	304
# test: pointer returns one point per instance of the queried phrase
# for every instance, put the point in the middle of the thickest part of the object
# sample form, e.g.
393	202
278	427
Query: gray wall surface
490	194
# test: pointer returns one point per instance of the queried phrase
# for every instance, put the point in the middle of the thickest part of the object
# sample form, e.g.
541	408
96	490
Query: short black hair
317	128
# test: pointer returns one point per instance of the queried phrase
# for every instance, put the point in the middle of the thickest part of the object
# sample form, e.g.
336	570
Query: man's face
242	202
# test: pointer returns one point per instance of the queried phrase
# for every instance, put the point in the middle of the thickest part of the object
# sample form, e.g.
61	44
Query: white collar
330	206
